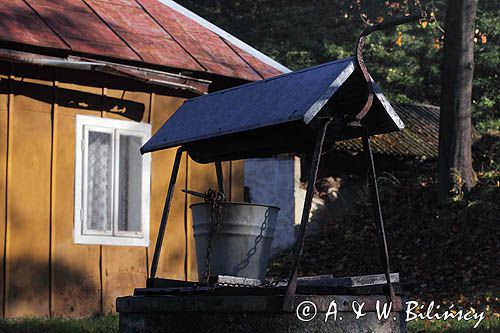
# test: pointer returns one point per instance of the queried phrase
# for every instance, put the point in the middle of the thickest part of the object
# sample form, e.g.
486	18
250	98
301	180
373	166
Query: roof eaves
193	86
225	35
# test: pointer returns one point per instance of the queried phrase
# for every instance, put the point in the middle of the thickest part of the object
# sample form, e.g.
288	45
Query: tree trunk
455	172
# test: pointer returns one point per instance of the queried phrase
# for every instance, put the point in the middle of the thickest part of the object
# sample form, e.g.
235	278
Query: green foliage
405	61
486	101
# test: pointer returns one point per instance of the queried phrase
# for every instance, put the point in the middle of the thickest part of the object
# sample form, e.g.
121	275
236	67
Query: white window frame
116	128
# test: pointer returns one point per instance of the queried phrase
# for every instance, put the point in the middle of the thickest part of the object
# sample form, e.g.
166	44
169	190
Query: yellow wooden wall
43	272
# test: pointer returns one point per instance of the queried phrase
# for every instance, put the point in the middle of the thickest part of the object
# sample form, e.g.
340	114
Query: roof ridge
274	78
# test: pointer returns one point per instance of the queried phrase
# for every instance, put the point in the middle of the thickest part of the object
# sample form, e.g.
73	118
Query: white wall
273	181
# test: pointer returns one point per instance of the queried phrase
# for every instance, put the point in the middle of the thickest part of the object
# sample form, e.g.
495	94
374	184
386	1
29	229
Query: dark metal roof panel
289	97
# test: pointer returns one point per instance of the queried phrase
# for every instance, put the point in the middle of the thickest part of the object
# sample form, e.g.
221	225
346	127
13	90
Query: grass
100	324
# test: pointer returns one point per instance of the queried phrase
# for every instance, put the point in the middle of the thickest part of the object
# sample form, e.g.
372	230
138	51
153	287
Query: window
112	182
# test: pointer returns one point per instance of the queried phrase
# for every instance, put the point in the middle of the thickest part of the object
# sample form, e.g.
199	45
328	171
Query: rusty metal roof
153	32
419	139
275	115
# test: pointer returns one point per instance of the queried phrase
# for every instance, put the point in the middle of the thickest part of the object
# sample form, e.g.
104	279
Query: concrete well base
202	313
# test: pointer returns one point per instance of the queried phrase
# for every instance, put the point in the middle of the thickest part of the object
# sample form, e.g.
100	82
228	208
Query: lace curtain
130	186
99	181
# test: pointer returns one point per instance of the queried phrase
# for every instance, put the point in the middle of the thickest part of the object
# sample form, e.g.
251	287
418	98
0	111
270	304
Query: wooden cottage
83	84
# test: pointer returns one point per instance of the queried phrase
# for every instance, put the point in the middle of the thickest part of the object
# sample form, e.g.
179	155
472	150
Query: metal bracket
220	178
359	56
166	211
375	198
377	212
297	253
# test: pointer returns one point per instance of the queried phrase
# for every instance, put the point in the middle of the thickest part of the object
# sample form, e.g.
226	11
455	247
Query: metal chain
216	200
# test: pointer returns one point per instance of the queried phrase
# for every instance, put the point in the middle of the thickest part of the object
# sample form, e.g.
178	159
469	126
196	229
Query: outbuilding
83	84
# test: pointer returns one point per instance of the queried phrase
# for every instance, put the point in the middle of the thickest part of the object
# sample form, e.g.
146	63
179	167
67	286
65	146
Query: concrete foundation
207	313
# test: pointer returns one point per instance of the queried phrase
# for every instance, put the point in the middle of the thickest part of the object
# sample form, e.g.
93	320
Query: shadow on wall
79	100
77	293
32	284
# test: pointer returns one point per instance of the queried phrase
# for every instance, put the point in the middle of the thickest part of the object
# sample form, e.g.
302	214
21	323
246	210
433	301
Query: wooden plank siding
76	273
28	198
172	258
46	274
237	184
4	104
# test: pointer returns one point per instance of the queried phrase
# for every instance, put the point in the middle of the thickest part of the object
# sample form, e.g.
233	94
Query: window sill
112	240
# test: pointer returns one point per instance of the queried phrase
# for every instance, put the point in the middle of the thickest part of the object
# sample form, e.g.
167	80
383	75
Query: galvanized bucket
242	245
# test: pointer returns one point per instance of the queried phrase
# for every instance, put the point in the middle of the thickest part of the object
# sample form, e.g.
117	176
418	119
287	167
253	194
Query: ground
447	254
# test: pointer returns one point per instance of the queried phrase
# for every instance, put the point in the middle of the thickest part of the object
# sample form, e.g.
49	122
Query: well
250	314
300	112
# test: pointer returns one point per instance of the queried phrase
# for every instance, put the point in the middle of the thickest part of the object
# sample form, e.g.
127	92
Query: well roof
276	115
